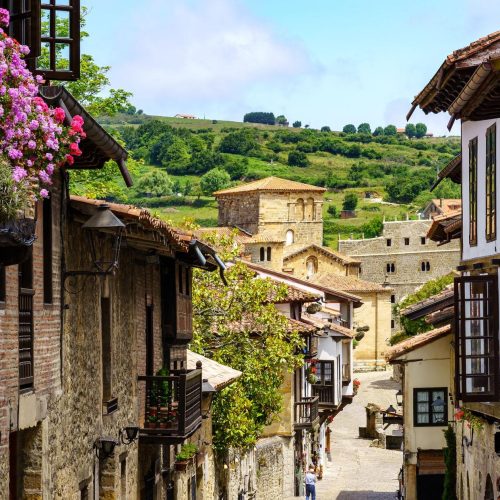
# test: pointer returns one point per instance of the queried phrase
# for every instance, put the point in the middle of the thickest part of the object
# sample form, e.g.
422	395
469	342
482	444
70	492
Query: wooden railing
306	412
26	338
172	406
325	393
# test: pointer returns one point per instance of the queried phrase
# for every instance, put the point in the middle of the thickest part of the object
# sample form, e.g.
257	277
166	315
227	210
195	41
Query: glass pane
62	24
422	396
438	418
422	407
62	2
45	18
43	62
62	56
423	418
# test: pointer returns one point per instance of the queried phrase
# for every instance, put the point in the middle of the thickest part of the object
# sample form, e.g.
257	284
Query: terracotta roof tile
447	205
445	296
347	283
246	324
218	375
271	184
416	341
446	314
294	295
325	251
322	324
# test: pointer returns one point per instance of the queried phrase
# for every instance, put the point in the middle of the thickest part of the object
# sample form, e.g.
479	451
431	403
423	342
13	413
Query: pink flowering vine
32	135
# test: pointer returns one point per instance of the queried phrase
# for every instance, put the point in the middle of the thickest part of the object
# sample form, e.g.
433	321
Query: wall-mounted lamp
208	391
104	447
129	434
399	397
103	221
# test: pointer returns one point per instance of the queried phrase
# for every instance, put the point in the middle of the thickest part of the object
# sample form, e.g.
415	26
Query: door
430	486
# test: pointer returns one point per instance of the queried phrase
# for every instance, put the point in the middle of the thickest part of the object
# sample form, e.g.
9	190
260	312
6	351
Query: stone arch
489	493
310	209
299	209
289	237
311	266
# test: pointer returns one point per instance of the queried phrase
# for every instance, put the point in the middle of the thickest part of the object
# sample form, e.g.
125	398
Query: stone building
403	258
441	206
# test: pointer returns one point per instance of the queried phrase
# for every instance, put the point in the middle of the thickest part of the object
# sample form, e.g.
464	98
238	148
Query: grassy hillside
390	168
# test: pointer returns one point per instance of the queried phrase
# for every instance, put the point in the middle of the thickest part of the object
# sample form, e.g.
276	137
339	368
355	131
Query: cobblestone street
356	471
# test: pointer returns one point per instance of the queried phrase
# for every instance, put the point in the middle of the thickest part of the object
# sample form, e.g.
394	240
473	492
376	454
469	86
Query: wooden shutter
184	304
26	338
25	23
476	330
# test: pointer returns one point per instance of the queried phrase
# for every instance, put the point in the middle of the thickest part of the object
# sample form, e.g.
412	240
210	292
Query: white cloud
203	51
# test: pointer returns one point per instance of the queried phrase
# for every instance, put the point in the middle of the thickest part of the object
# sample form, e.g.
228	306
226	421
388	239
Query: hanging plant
472	421
33	139
311	376
313	308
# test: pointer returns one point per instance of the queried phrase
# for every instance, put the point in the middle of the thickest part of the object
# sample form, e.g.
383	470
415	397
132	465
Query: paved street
357	471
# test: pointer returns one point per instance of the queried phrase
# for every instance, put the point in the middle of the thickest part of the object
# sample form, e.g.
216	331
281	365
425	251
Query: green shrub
297	159
188	450
157	183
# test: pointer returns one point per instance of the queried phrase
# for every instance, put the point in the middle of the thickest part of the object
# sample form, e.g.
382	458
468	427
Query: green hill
392	168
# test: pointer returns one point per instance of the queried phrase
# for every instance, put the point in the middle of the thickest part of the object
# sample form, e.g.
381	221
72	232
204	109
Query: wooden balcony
325	394
172	407
306	413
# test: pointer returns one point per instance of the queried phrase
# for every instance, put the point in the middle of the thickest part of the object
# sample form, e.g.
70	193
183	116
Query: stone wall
239	210
297	264
407	251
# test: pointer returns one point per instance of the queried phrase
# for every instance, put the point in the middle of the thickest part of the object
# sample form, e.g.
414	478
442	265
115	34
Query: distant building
403	258
441	206
187	117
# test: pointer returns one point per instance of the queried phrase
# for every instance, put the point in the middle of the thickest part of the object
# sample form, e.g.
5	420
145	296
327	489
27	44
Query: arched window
489	492
468	487
425	266
299	209
310	209
262	254
268	253
311	266
290	237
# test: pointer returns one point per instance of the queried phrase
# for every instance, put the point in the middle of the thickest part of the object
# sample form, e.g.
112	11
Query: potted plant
185	456
355	385
311	376
151	422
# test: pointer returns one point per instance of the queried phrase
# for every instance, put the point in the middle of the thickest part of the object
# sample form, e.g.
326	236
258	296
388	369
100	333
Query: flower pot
182	466
149	425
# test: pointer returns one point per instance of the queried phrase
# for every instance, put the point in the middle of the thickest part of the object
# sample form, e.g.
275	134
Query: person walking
310	481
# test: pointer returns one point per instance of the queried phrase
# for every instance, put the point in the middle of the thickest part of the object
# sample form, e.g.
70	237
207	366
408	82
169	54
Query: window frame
423	240
489	323
320	372
406	241
473	192
490	183
388	242
390	268
429	391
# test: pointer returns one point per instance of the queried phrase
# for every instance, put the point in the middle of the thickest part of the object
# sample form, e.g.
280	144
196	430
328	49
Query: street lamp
208	391
104	447
391	409
129	434
399	397
103	221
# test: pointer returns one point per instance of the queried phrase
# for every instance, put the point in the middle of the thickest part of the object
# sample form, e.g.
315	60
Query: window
390	268
473	192
268	253
324	372
262	254
106	347
425	266
290	237
310	215
430	407
311	266
422	240
476	327
491	174
407	241
299	209
393	299
47	251
393	324
3	284
389	242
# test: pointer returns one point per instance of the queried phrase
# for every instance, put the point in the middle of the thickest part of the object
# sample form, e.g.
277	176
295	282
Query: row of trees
419	130
265	118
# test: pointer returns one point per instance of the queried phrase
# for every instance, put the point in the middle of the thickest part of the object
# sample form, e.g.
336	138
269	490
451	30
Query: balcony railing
306	413
326	395
172	407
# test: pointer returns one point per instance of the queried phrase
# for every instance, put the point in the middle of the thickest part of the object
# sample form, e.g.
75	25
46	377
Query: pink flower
45	177
59	114
4	17
32	144
70	160
74	149
44	193
19	174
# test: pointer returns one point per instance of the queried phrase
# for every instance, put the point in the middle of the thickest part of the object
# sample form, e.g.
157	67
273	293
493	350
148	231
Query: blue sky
324	62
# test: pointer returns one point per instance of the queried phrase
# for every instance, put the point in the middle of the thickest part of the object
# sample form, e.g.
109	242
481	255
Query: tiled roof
218	375
322	324
474	47
441	316
247	324
179	239
344	259
416	341
271	184
239	235
452	171
347	283
446	227
444	297
294	295
447	205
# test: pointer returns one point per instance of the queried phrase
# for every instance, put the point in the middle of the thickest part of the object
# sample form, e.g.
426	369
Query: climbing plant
450	460
237	326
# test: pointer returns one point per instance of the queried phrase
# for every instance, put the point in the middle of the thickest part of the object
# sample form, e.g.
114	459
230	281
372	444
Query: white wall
469	131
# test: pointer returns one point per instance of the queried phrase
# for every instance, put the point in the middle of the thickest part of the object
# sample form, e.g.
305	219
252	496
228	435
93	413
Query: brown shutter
184	303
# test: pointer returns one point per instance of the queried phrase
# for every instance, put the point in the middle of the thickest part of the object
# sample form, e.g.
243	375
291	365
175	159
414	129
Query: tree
175	156
410	130
332	210
262	347
350	202
364	128
156	183
240	142
214	180
297	124
390	130
421	130
281	120
378	131
297	159
260	117
349	129
204	161
306	126
237	168
326	128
